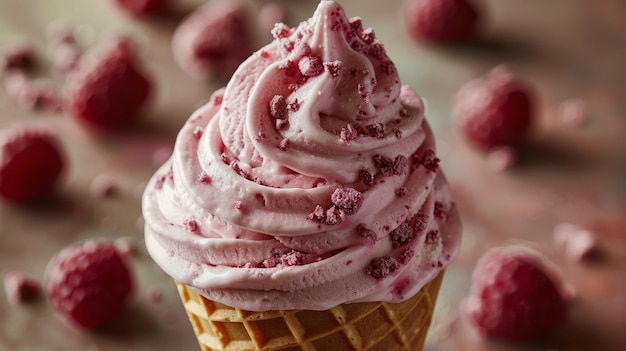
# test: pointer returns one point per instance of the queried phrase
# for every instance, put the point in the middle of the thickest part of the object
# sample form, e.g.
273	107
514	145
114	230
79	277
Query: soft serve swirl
309	181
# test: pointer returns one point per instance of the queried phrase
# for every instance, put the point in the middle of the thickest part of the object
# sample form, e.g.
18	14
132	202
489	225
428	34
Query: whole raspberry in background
213	40
494	110
140	8
108	89
31	163
514	297
440	21
89	283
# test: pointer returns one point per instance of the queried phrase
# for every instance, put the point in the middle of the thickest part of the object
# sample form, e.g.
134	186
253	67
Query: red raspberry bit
348	133
366	177
389	67
289	67
368	35
381	267
260	135
300	50
287	46
311	66
281	31
278	107
191	225
384	164
293	258
356	24
377	51
401	191
21	288
318	214
204	178
218	98
432	237
430	161
160	181
333	68
294	106
514	296
406	255
418	223
376	130
400	165
440	211
238	205
401	235
397	132
265	54
441	21
369	235
284	144
347	199
334	216
261	199
31	164
89	283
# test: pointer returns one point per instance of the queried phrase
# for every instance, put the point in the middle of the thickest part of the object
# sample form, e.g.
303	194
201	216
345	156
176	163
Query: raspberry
31	163
89	282
495	110
214	40
441	21
140	8
513	296
107	90
17	55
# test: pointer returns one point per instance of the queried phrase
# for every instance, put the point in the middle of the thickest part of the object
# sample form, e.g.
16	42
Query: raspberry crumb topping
347	199
294	105
369	235
381	267
366	177
278	107
311	66
406	255
348	133
440	211
333	68
191	225
376	130
430	161
401	235
197	132
283	144
384	164
401	191
238	205
281	31
432	237
334	216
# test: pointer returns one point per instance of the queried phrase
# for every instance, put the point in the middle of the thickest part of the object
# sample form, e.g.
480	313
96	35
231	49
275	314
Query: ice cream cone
357	326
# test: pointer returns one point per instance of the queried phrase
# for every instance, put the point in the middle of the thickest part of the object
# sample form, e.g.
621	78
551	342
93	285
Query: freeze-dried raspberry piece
401	235
369	235
278	107
311	66
347	199
381	267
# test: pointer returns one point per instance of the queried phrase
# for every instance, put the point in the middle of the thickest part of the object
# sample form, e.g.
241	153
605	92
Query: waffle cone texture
365	326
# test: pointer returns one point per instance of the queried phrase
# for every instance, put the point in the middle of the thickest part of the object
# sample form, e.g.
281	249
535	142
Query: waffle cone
359	326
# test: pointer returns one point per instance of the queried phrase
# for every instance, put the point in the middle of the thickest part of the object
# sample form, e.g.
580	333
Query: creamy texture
309	181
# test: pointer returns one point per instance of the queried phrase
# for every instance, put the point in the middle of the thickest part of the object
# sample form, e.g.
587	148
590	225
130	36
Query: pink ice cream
310	181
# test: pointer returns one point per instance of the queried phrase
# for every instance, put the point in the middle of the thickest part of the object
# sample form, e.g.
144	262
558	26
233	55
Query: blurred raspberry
108	89
214	40
31	163
89	283
21	288
17	55
141	8
495	110
441	21
514	297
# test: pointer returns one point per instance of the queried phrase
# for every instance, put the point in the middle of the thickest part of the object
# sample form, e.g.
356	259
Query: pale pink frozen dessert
310	181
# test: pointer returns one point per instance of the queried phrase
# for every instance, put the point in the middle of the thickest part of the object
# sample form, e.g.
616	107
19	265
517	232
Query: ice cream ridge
310	181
